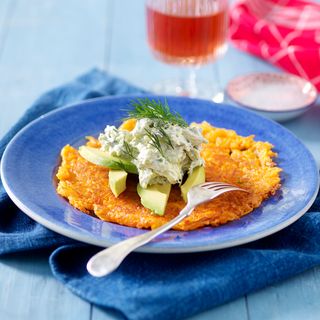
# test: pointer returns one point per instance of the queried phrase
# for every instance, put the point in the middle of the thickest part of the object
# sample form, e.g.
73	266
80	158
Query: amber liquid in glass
187	39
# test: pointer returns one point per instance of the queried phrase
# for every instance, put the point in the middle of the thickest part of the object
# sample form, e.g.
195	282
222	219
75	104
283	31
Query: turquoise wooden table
46	43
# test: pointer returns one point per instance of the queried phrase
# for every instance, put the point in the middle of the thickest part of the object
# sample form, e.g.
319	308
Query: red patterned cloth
284	32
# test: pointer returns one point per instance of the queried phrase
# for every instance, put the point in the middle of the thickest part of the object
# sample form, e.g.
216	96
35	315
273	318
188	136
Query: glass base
202	89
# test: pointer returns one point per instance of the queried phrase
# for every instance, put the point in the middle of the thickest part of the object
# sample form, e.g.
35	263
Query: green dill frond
155	141
188	157
156	110
128	150
120	165
165	136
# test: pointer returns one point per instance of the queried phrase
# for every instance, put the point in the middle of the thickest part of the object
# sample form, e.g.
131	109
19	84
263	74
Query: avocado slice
155	197
197	176
117	181
101	158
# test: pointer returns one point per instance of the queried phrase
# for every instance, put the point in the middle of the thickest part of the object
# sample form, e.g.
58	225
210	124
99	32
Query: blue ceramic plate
30	161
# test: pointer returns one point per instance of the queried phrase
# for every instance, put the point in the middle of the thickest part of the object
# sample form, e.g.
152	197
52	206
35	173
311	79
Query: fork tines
219	186
211	185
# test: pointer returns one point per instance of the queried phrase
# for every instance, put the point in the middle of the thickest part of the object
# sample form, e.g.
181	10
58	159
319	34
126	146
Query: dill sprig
128	150
188	156
121	165
155	141
156	110
165	136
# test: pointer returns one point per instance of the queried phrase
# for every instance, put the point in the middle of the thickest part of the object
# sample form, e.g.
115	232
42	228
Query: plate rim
148	249
228	244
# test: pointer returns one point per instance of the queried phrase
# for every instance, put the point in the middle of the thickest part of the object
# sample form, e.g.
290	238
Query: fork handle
107	260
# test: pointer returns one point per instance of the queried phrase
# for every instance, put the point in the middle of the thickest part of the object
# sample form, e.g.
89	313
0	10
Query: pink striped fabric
284	32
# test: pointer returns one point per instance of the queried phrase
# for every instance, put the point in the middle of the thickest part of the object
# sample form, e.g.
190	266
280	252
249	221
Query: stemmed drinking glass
190	34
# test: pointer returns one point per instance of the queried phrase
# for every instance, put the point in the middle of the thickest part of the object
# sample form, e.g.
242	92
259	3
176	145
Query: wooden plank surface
129	47
44	44
6	10
47	44
28	291
296	298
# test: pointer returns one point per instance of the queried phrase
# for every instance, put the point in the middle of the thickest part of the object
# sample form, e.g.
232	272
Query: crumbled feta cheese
176	151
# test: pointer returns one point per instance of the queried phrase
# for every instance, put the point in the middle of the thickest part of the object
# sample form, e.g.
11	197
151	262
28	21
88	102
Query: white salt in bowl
279	96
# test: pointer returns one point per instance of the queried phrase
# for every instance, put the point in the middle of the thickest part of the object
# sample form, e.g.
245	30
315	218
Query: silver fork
109	259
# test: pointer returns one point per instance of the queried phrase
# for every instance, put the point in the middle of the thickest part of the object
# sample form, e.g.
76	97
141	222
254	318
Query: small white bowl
279	96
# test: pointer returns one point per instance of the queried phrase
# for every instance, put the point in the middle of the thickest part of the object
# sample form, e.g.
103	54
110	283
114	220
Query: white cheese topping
177	150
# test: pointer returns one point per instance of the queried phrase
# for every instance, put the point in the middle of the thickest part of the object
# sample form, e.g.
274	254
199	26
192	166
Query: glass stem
188	80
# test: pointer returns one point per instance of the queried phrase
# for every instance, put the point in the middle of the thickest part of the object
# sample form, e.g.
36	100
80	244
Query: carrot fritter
228	158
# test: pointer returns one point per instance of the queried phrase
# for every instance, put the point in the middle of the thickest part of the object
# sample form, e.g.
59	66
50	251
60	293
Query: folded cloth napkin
284	32
17	231
150	286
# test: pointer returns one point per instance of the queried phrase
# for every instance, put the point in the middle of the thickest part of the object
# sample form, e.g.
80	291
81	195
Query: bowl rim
313	90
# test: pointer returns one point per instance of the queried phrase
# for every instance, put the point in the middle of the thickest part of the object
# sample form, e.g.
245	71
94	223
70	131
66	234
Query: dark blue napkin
17	231
150	286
